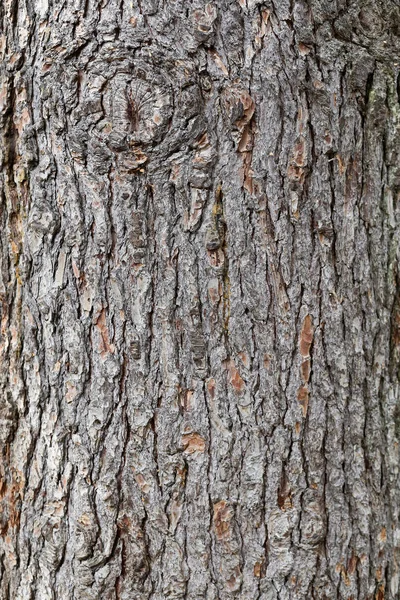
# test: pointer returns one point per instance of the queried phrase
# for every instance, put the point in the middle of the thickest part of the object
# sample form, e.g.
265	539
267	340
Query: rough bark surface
200	300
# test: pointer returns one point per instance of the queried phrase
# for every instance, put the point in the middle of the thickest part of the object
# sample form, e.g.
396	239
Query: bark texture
200	300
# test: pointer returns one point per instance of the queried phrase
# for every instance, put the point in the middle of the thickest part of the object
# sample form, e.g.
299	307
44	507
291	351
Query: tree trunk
200	300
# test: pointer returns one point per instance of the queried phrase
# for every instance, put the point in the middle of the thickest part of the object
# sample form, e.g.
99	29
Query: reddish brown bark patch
211	388
303	49
186	399
193	442
10	501
124	524
305	369
351	567
284	495
223	515
303	397
233	583
306	336
245	359
259	569
380	594
105	347
234	378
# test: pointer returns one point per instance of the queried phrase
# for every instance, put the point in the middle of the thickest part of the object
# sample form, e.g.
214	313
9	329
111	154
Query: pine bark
200	300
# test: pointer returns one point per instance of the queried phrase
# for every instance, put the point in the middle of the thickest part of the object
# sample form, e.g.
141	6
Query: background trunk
200	300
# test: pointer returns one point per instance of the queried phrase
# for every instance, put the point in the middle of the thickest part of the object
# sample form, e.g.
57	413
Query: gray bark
200	300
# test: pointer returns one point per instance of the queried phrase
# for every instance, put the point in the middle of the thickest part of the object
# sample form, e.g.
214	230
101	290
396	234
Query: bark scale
200	300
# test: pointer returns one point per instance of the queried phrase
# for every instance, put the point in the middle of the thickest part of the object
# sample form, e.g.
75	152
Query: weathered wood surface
200	300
